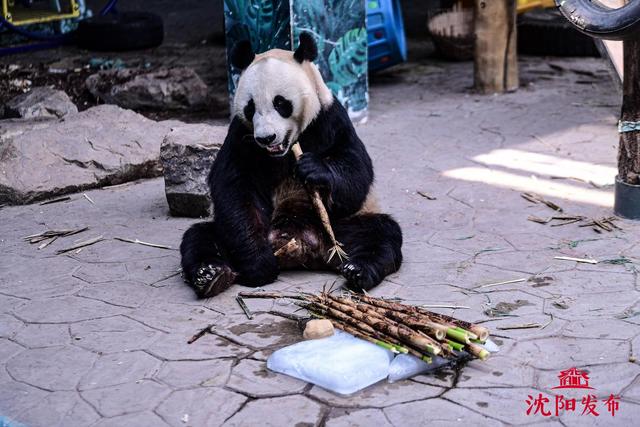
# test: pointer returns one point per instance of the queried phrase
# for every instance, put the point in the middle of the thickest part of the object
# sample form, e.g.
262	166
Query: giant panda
260	192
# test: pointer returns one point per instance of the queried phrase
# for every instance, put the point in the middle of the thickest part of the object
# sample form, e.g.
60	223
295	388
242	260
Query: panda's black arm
336	161
342	174
242	215
352	175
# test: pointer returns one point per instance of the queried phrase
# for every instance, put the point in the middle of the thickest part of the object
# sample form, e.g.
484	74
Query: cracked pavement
99	337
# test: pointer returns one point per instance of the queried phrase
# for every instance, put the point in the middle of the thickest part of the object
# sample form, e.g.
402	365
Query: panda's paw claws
313	171
210	280
359	277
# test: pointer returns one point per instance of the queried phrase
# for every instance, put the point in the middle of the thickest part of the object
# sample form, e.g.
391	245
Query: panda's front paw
314	172
360	276
209	280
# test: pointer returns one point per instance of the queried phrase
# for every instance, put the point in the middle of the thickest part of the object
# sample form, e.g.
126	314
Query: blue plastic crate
385	34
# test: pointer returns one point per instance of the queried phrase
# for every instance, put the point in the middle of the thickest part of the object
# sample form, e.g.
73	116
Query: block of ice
339	363
490	346
406	366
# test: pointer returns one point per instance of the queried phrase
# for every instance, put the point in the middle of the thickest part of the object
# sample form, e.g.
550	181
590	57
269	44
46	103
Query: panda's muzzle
277	149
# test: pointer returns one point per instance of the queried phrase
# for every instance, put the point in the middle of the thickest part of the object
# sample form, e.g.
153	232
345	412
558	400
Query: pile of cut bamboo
398	327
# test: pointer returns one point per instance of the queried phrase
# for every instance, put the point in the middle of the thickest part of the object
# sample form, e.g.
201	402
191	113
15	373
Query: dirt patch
15	80
504	308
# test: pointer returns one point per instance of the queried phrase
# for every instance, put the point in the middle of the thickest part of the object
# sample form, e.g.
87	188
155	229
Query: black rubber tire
120	32
548	33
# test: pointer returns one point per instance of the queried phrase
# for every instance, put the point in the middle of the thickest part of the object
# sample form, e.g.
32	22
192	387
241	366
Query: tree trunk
496	59
629	148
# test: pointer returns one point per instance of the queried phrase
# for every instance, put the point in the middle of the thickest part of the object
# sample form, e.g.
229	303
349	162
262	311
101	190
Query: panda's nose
265	140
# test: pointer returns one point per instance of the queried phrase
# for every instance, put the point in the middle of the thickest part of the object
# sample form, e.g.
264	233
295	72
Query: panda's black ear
242	54
307	49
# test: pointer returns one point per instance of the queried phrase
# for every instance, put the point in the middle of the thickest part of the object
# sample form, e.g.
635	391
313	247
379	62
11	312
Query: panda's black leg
204	265
374	245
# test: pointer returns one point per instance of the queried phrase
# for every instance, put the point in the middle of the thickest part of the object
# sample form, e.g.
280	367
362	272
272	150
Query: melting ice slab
339	363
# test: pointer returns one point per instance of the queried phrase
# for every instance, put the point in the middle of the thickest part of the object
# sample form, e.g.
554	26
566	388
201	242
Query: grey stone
364	417
167	88
126	398
207	373
140	419
51	368
42	102
291	410
9	326
66	309
200	407
187	154
253	378
61	408
16	397
174	347
112	334
100	146
120	368
8	349
554	352
36	335
435	412
121	293
507	405
379	395
498	371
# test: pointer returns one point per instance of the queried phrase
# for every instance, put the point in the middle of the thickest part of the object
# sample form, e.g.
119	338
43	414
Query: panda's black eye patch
249	110
283	106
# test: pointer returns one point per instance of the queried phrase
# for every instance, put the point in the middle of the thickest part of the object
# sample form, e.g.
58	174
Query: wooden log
629	147
496	59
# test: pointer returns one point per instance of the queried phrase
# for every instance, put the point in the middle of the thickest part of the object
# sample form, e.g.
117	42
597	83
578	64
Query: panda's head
279	93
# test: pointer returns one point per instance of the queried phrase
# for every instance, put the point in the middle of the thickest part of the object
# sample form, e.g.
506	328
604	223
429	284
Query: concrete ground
99	337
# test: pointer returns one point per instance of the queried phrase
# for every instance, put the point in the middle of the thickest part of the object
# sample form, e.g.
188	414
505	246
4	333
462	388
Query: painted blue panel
266	23
339	27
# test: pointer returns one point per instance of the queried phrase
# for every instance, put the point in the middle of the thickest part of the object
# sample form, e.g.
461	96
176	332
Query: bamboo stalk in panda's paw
336	249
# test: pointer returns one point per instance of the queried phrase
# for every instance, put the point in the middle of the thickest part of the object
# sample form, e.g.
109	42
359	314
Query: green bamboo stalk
477	351
419	323
480	331
456	345
358	334
401	332
336	315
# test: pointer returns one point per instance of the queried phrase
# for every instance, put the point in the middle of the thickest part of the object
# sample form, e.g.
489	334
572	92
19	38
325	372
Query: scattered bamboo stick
426	196
506	282
58	200
290	246
522	326
88	198
336	249
453	307
140	242
244	307
52	234
81	245
534	198
539	220
582	260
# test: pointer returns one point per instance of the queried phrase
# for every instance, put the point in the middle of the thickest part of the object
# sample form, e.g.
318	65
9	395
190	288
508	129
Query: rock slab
187	153
40	101
104	145
176	88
